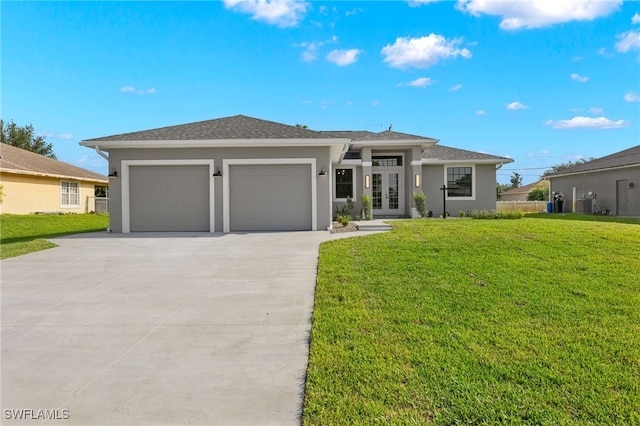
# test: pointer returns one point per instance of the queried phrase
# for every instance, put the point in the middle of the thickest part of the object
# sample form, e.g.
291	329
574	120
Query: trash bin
549	207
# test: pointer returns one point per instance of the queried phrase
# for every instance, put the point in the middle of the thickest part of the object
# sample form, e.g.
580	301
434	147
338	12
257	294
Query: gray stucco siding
485	189
603	185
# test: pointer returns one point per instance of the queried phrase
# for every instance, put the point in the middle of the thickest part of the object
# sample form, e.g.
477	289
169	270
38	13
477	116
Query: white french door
388	193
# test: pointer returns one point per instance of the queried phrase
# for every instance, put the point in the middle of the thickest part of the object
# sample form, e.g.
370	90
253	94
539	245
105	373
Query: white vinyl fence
523	206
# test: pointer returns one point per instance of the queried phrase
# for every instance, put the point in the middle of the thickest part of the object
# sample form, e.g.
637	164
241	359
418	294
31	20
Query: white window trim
70	206
353	183
226	213
124	166
473	181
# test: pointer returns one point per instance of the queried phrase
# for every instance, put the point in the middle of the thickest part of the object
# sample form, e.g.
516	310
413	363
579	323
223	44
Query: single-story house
245	174
521	193
605	185
33	183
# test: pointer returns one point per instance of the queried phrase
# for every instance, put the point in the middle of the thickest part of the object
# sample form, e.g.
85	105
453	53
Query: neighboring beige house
33	183
519	194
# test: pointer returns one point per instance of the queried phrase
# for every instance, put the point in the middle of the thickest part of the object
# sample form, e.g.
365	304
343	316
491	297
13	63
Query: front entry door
622	197
388	193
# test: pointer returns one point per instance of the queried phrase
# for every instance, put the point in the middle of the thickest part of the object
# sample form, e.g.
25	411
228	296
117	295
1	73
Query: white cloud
539	13
636	18
349	103
343	57
416	3
577	59
131	89
422	52
418	82
580	122
577	77
481	112
375	103
513	106
283	13
604	53
631	97
311	48
56	136
354	11
455	88
596	110
628	41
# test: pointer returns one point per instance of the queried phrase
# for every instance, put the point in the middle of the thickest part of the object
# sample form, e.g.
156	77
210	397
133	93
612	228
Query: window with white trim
69	194
460	182
344	180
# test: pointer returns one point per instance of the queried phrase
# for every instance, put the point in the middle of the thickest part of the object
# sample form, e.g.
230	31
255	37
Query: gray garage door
169	198
270	197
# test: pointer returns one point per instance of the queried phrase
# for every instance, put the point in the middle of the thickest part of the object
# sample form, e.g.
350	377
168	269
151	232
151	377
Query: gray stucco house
245	174
607	184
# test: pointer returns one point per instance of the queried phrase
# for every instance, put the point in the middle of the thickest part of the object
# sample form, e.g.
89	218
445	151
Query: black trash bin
558	199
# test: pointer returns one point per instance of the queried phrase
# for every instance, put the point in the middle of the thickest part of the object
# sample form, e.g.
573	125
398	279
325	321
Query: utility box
585	205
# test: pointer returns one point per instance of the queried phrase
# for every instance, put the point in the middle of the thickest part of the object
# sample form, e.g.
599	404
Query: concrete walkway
159	329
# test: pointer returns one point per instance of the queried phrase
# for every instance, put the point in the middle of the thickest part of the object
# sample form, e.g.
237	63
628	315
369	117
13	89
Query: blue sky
540	81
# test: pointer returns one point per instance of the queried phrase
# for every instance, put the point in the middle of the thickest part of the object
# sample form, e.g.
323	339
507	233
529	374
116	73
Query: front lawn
22	234
530	321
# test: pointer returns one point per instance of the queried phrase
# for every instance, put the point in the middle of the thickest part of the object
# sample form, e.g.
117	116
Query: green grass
22	234
531	321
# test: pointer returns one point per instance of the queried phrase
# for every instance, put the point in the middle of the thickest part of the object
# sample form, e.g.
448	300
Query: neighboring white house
245	174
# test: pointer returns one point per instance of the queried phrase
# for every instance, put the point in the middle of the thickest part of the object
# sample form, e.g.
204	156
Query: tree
516	180
302	126
539	192
559	167
25	138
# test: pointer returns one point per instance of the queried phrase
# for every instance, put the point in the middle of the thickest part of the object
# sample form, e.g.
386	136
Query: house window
69	194
344	183
459	182
386	161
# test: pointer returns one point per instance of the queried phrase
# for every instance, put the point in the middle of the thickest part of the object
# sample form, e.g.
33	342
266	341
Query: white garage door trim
226	218
124	166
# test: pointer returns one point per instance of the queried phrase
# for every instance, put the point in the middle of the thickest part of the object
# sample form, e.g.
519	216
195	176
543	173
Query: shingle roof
235	127
348	134
525	189
27	162
628	157
445	153
388	135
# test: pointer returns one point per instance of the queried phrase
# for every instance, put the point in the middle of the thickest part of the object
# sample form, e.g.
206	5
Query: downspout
101	154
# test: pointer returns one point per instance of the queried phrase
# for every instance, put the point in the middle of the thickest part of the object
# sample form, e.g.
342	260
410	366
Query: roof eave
468	160
52	175
213	143
604	169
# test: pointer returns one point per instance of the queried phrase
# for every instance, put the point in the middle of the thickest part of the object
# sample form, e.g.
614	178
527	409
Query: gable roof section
20	161
235	127
625	158
443	154
522	189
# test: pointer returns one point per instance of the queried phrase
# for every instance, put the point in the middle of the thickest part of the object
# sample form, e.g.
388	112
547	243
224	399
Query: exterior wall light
416	180
217	173
114	173
323	172
367	181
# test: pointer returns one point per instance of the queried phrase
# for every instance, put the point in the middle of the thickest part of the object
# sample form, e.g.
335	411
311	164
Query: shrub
346	208
344	219
461	213
420	200
492	214
367	207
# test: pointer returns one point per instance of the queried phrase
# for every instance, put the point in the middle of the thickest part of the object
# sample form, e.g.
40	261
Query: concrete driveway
156	329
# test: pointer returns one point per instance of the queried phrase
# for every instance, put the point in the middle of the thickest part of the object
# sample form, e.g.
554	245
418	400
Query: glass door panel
377	191
393	191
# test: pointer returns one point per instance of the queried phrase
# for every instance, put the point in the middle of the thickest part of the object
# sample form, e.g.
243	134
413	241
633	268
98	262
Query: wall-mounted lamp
630	184
114	173
217	173
367	181
416	180
323	172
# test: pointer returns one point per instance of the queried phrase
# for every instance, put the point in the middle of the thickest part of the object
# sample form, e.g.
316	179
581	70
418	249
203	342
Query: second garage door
169	198
270	197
